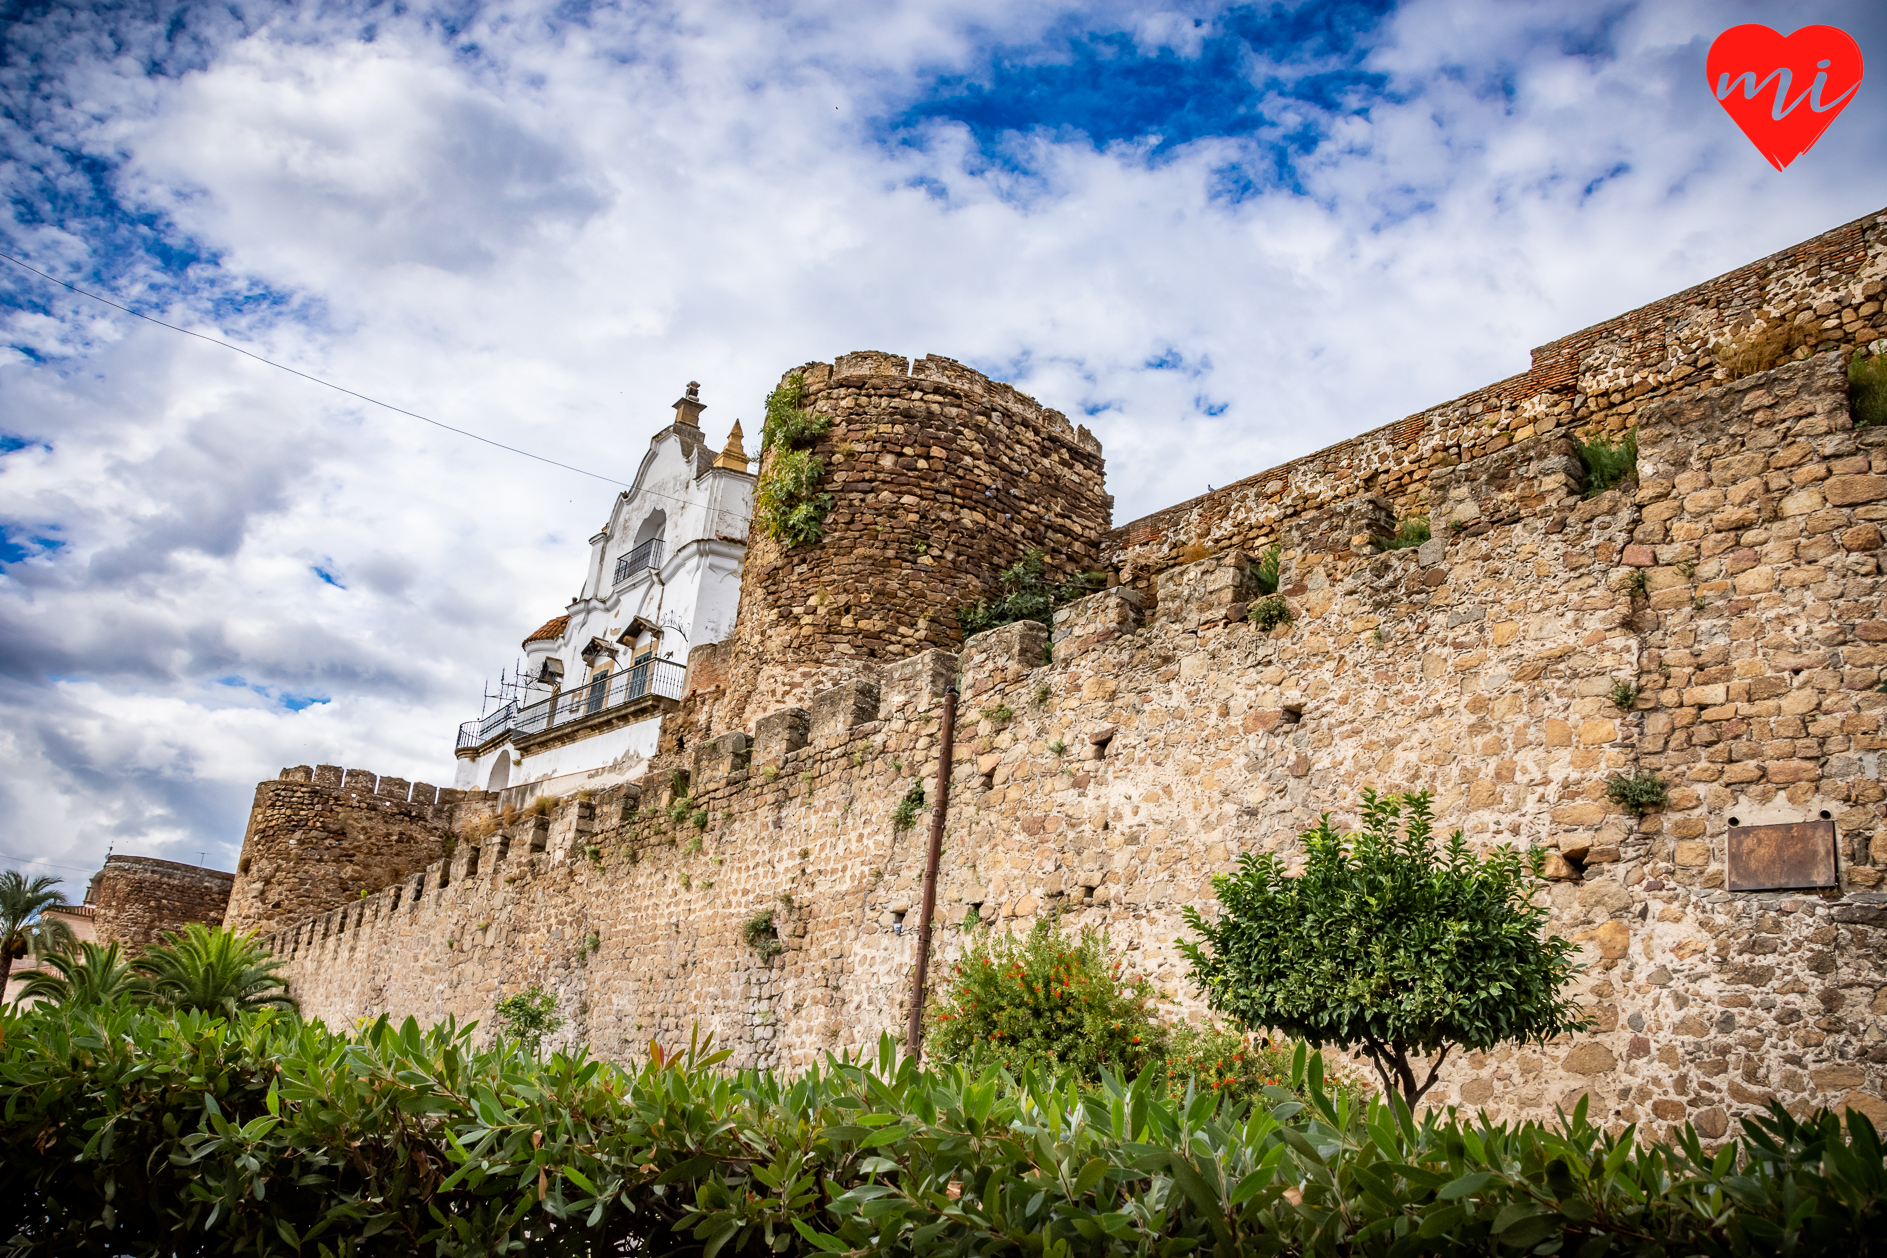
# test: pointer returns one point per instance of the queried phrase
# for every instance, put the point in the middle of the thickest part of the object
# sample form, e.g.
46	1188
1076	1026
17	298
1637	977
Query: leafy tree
1026	593
1387	943
22	931
528	1016
95	974
214	970
1049	1001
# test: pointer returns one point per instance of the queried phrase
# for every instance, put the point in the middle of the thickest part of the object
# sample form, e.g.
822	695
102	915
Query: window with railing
610	690
647	555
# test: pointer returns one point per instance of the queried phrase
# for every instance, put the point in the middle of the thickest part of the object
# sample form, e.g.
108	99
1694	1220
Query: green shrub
1048	1001
90	974
1026	592
1867	389
1231	1064
213	970
1269	613
1624	695
1640	792
787	421
1387	943
134	1131
1607	464
1409	533
526	1017
784	498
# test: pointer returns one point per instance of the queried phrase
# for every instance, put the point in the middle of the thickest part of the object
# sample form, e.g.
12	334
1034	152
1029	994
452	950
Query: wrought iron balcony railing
647	555
649	677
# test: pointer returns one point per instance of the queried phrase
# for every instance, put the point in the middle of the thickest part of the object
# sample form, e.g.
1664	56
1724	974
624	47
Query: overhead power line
329	384
40	860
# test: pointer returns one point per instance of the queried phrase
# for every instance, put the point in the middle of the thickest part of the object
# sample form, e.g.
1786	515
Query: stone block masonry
137	899
1825	293
319	837
1713	621
1110	785
939	479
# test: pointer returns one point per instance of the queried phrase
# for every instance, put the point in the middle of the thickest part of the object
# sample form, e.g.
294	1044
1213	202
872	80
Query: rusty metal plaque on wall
1781	857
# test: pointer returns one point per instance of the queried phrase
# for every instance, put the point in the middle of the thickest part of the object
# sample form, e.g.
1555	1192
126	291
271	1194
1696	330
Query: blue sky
1224	235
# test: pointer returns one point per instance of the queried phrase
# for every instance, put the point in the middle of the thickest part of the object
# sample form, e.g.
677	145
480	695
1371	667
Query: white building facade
663	577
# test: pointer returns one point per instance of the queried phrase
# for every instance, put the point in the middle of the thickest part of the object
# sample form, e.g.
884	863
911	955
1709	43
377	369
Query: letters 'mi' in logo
1758	76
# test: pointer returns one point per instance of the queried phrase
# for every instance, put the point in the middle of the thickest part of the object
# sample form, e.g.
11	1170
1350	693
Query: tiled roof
552	628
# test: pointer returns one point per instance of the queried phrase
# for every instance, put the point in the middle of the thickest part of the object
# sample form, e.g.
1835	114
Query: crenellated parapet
319	836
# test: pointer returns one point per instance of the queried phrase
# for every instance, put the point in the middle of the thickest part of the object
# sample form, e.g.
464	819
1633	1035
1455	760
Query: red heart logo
1784	92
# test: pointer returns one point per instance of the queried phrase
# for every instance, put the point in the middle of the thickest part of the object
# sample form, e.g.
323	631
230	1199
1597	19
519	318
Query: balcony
472	733
647	555
662	678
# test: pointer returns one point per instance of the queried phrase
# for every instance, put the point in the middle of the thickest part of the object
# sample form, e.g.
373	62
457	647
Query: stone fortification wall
320	836
136	899
1110	785
940	478
1828	289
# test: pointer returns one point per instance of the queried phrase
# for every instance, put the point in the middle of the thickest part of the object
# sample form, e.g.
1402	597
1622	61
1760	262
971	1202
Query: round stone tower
136	899
940	477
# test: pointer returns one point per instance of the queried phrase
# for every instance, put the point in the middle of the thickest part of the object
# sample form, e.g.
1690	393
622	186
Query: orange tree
1389	943
1049	1000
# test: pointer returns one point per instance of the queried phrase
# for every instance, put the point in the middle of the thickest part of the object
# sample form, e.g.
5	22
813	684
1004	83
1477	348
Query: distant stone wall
1593	381
320	836
136	899
939	478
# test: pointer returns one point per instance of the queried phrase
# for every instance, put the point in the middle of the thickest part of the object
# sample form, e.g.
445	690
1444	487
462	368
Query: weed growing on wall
526	1017
1047	1000
784	499
1867	389
1640	792
1264	573
1269	613
762	935
1025	591
1624	694
905	815
1760	350
1607	464
1409	533
1388	943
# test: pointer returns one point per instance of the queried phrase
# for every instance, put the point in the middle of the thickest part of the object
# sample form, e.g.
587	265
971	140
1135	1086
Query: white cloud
544	238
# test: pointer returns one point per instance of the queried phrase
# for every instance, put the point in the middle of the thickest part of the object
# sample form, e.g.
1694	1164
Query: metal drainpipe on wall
946	745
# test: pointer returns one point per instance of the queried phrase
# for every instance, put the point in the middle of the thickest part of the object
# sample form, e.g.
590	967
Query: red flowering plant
1047	999
1229	1063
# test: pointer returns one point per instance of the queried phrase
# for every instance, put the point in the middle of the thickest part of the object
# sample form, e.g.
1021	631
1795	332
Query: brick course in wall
136	899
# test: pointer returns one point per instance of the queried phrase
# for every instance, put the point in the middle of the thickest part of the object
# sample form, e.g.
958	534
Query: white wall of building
700	512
